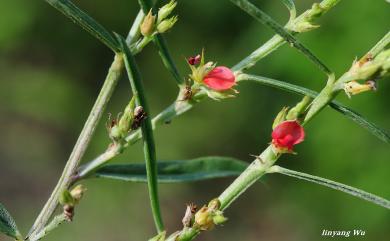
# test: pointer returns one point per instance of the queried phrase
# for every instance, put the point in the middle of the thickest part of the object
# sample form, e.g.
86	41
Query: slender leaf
334	185
350	114
85	21
291	7
202	168
360	120
147	131
263	18
8	225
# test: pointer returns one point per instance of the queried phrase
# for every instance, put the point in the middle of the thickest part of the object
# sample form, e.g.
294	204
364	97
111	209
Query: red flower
287	134
220	78
194	60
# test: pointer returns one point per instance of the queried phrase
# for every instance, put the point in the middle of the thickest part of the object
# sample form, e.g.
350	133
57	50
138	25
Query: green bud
299	108
148	25
204	219
127	117
120	130
166	24
77	193
280	117
214	204
218	218
66	198
166	10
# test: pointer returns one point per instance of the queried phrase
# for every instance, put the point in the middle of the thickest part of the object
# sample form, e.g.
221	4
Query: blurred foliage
51	72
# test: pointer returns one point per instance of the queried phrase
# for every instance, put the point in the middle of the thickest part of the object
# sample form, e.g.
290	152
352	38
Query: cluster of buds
216	81
69	199
160	24
367	69
130	120
209	216
305	22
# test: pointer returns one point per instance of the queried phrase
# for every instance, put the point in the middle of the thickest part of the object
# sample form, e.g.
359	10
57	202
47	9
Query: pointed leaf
334	185
85	21
8	225
202	168
263	18
350	114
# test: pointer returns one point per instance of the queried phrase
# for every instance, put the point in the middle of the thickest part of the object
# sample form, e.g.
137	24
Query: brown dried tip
189	214
139	116
68	212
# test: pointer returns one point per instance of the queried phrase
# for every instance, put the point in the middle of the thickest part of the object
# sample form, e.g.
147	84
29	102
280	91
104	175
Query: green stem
172	111
85	136
263	18
254	171
267	48
57	221
147	133
81	144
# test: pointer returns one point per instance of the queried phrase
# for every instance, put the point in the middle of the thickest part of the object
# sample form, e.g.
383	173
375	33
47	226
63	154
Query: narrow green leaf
334	185
202	168
263	18
291	7
8	225
85	21
147	131
350	114
360	120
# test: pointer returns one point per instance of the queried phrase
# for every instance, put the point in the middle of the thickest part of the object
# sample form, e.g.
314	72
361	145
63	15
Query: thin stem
147	133
332	184
381	45
255	170
172	111
276	41
263	18
81	144
57	221
84	139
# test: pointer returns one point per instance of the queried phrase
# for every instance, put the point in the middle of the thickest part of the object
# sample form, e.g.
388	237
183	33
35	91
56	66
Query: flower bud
194	60
220	78
280	117
166	24
218	218
214	204
148	25
166	10
66	198
204	219
119	129
286	135
354	88
77	193
299	108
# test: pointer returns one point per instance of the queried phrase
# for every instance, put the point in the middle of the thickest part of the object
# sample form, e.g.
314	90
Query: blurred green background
51	72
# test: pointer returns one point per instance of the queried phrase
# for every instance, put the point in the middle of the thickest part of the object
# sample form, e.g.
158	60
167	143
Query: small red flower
287	134
220	78
194	60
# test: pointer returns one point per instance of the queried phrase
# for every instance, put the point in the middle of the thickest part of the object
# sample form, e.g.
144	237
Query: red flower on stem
287	134
220	78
